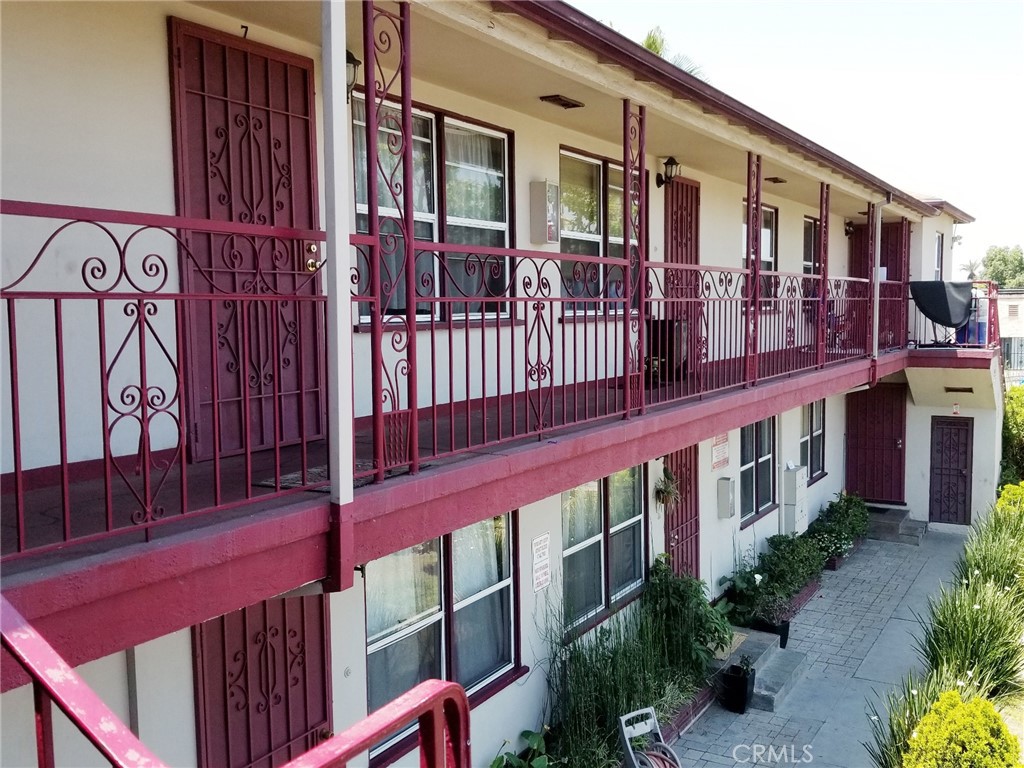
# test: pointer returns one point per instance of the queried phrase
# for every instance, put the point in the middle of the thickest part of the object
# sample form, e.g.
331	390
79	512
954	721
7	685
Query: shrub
789	564
1013	436
961	734
690	629
902	709
975	629
1008	514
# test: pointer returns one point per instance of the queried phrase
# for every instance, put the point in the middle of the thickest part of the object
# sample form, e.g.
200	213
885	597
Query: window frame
940	246
756	512
773	238
816	428
611	599
440	220
395	746
600	305
812	265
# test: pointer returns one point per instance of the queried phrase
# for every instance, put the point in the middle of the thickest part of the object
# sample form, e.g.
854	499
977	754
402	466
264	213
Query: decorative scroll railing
980	332
154	366
517	343
440	708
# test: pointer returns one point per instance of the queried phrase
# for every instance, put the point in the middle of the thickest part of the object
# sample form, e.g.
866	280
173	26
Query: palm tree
655	43
972	268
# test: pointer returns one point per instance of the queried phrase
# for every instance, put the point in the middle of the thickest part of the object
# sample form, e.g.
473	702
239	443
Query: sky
925	94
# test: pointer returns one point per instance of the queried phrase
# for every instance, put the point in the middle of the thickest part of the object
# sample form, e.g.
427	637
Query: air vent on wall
960	390
562	101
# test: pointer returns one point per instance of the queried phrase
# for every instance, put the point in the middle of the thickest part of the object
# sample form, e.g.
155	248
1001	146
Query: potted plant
666	489
737	684
772	614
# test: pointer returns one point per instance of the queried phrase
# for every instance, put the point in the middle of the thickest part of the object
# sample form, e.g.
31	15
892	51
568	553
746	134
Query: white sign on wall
541	562
720	452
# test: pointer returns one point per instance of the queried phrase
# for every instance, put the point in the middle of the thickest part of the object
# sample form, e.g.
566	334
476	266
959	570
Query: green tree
655	43
1004	265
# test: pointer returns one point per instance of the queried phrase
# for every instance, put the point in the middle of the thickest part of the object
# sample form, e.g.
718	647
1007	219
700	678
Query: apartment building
295	418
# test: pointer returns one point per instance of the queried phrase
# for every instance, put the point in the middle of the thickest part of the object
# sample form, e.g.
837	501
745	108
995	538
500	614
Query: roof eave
576	26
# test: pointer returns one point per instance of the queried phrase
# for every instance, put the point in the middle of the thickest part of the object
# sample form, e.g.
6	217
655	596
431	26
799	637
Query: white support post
337	220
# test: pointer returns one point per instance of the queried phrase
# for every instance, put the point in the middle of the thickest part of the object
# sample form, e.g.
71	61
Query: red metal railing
516	343
980	332
155	366
440	708
53	681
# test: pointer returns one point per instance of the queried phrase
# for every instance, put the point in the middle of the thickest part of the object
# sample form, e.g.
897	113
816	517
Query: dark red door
949	493
682	246
244	125
876	431
263	683
682	519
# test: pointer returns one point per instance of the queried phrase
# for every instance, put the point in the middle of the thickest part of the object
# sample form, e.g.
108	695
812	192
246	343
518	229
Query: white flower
758	578
960	683
913	735
970	673
874	717
977	607
914	691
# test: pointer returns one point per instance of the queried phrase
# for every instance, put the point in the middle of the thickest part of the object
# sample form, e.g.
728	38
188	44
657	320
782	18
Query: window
939	245
757	468
769	237
812	254
602	523
475	199
812	439
441	609
592	224
1013	353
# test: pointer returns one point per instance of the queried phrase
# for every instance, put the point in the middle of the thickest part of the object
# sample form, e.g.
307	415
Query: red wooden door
682	246
876	431
682	519
952	461
263	683
244	123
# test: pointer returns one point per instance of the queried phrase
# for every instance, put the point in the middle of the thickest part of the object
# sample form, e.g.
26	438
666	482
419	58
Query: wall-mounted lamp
351	73
848	228
671	169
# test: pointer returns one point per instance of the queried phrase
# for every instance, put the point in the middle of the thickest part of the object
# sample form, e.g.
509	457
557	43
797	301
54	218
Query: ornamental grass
975	628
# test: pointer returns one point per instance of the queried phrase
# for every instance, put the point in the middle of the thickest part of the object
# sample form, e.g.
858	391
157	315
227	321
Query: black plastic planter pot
737	686
781	629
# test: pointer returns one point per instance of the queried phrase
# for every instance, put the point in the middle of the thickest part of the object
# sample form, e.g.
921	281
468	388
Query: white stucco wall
106	66
986	457
107	678
723	542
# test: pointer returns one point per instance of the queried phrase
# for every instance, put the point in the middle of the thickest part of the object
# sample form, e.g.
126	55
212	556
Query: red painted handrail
159	220
442	710
62	685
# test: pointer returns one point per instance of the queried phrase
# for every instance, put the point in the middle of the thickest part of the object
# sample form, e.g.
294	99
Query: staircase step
892	524
776	678
759	646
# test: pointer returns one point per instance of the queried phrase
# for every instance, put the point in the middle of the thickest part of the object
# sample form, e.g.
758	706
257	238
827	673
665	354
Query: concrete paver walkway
858	635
